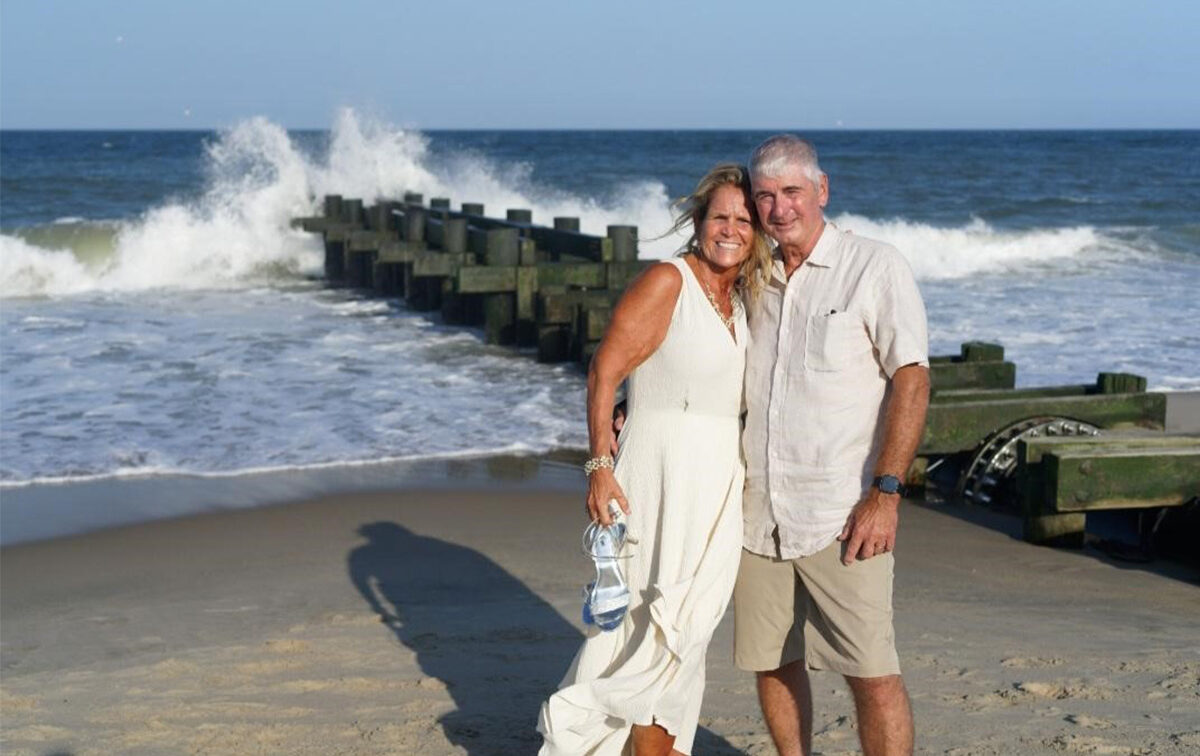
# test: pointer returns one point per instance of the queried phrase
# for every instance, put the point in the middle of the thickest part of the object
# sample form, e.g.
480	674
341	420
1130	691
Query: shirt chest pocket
835	342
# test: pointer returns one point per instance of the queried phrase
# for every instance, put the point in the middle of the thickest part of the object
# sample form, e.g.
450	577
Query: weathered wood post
361	254
413	230
472	208
454	243
335	254
379	216
520	215
1120	383
416	291
454	236
333	206
502	248
439	203
566	223
352	212
624	243
980	365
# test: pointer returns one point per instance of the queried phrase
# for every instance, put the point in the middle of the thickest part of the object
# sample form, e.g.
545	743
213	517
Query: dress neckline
708	305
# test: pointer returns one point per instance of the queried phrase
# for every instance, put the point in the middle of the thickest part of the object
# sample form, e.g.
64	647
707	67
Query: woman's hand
603	488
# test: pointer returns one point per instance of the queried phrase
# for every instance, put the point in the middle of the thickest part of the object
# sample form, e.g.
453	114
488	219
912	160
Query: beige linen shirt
823	347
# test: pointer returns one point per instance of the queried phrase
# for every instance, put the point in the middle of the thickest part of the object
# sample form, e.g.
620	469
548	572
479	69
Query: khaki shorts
835	617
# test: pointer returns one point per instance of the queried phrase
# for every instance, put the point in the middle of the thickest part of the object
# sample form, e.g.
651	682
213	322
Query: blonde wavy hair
755	271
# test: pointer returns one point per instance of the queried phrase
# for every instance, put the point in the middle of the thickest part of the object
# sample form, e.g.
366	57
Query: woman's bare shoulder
659	282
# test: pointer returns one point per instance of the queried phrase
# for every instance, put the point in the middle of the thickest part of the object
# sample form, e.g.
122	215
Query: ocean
158	316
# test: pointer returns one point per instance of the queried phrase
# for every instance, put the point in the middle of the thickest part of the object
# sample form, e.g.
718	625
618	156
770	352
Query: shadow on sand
496	645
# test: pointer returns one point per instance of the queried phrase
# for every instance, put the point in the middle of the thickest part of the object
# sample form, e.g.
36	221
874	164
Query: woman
678	334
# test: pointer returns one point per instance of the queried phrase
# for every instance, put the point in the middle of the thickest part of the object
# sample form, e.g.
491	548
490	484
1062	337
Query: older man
837	385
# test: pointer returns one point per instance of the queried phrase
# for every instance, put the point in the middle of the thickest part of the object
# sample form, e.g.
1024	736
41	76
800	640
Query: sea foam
937	253
257	178
238	232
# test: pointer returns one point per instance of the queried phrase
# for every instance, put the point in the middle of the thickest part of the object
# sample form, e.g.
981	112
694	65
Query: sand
434	620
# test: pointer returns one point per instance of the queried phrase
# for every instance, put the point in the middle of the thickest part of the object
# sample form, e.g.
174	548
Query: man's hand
618	424
870	529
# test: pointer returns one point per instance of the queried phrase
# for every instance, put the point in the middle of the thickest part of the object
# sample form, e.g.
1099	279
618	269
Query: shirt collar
823	255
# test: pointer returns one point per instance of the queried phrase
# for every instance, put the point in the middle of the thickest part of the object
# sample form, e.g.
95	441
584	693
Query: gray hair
783	151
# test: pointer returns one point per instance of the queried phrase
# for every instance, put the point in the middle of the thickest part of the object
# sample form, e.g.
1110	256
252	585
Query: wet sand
434	620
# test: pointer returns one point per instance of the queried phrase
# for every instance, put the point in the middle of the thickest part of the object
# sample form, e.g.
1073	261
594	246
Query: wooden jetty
1052	453
525	285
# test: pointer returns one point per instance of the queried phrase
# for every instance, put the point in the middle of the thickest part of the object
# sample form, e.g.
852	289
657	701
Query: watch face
888	484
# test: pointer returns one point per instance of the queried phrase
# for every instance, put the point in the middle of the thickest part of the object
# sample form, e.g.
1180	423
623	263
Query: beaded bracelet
595	463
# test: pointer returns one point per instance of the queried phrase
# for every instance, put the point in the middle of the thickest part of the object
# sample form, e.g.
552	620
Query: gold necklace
735	304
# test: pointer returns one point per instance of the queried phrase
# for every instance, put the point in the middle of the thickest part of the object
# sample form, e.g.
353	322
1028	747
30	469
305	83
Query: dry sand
435	621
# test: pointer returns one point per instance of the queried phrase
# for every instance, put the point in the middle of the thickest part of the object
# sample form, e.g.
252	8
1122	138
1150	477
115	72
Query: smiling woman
679	335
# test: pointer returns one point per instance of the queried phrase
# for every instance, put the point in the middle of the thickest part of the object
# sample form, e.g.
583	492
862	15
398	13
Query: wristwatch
888	484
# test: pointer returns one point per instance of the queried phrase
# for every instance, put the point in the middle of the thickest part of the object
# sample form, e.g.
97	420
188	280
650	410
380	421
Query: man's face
790	207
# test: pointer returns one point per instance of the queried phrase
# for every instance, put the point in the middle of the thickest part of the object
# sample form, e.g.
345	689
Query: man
837	385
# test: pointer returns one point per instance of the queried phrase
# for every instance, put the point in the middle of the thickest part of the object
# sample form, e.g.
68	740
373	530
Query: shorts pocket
835	341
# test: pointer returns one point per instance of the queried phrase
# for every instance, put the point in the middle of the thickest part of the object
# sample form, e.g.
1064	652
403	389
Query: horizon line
834	129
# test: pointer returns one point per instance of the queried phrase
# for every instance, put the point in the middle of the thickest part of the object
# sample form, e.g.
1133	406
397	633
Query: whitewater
194	335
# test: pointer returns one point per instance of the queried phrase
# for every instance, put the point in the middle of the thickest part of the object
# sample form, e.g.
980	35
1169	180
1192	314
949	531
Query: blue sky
612	64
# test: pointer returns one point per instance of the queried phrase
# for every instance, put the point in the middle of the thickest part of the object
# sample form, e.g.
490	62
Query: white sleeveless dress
680	467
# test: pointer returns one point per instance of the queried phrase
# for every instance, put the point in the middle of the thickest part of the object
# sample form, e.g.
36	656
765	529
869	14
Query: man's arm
871	527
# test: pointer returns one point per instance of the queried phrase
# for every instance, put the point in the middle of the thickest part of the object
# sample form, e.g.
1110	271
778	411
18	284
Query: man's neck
795	255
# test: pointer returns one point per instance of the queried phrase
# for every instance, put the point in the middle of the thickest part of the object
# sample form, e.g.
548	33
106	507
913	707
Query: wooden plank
952	396
486	279
972	374
1116	441
622	273
1043	521
399	252
318	224
435	264
1120	383
972	351
357	241
981	351
962	426
591	275
1106	383
558	242
562	307
1079	480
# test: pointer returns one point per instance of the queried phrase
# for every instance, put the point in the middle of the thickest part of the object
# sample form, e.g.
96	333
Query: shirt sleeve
899	329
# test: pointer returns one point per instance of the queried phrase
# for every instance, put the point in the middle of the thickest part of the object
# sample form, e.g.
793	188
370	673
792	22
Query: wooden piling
333	206
624	243
352	212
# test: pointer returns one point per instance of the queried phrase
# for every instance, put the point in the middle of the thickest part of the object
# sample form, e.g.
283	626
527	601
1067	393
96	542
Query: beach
434	618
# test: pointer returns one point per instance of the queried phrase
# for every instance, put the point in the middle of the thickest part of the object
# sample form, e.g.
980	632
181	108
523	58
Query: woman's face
727	232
